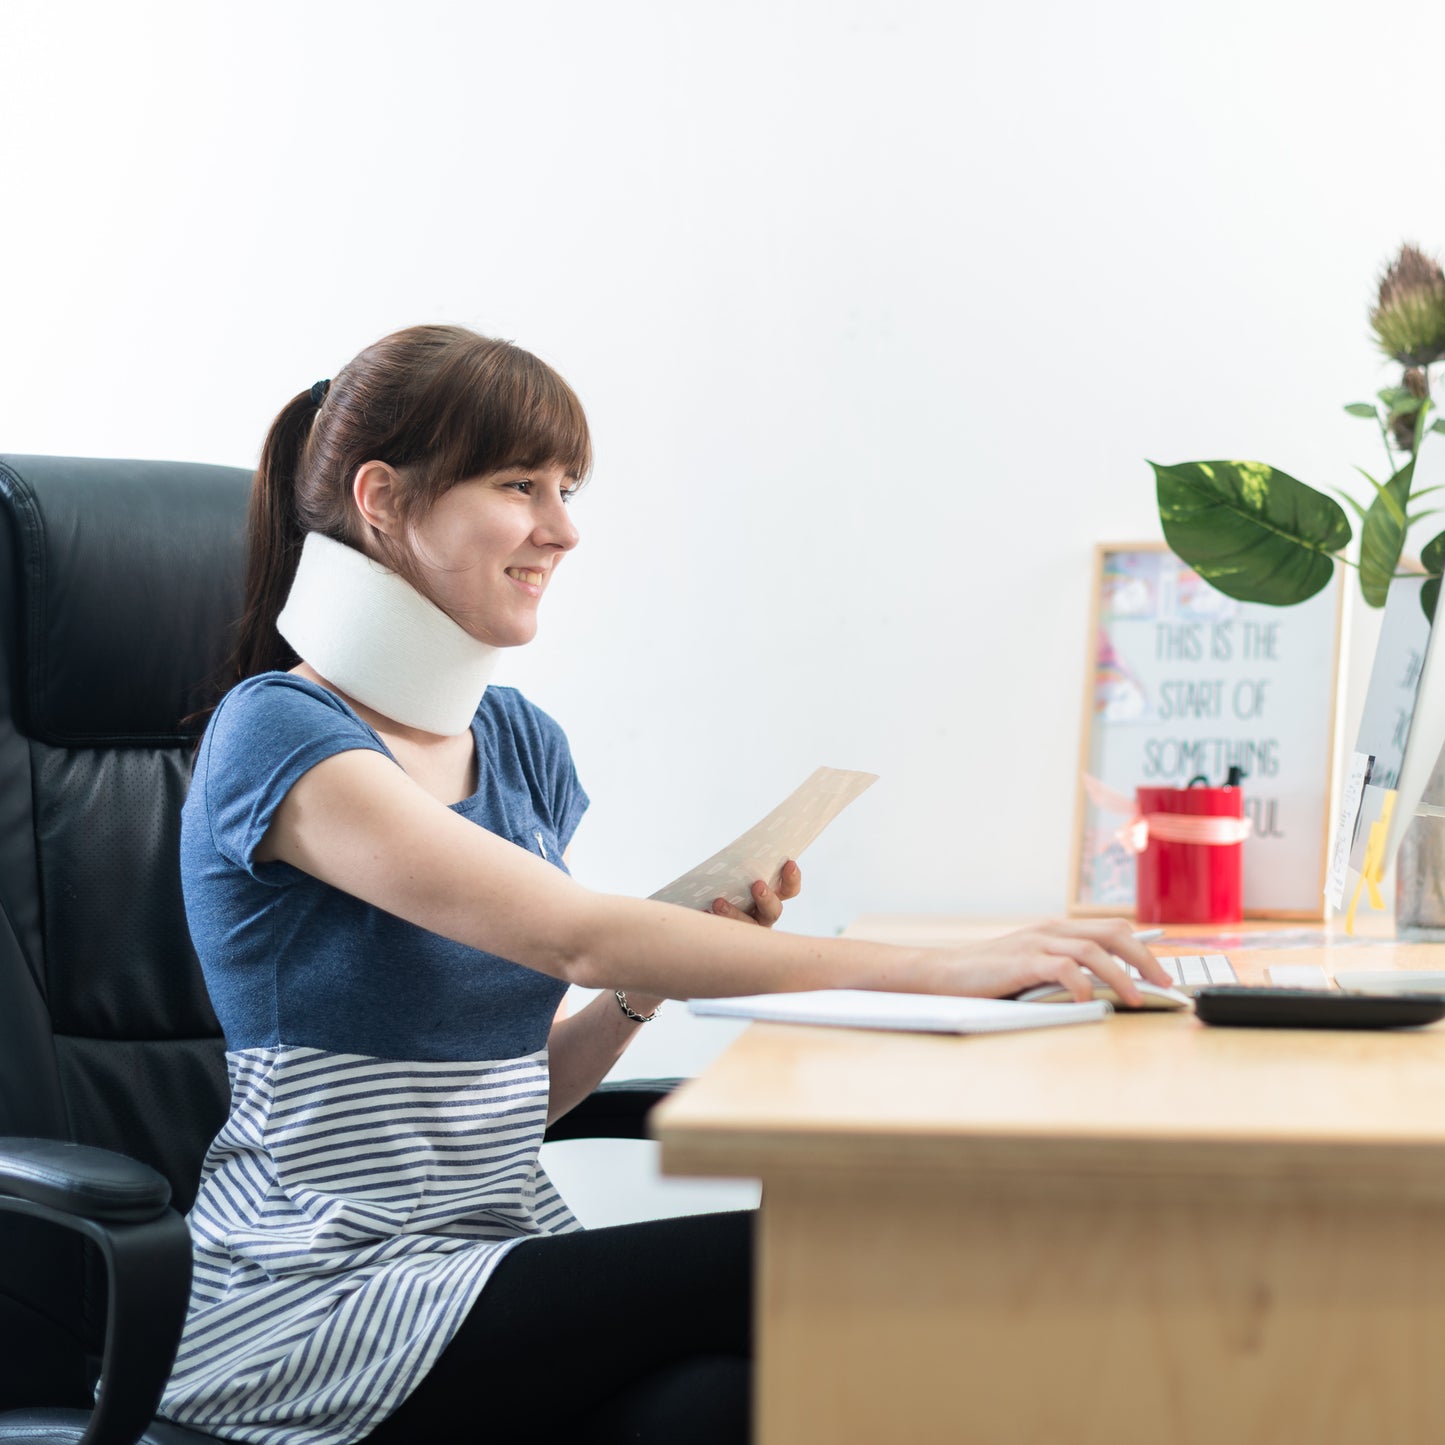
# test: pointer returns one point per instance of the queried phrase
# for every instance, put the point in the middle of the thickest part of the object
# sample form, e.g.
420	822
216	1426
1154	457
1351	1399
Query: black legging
639	1333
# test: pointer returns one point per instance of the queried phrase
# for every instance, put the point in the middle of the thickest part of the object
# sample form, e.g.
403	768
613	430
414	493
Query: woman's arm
357	822
582	1047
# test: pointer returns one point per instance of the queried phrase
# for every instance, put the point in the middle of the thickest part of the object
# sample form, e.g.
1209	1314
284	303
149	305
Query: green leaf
1438	424
1383	536
1432	555
1255	533
1394	396
1429	595
1426	406
1362	408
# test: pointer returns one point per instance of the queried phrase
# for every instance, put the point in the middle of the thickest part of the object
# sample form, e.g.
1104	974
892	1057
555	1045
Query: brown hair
440	404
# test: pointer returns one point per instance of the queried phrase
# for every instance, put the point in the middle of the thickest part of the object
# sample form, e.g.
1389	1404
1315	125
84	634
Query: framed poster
1184	682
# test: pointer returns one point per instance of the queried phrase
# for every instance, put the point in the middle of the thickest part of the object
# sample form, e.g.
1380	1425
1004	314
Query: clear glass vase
1420	874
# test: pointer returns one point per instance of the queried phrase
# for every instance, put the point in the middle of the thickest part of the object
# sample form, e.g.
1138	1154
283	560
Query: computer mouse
1155	996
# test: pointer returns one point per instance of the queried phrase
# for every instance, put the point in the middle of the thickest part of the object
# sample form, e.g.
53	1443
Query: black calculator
1316	1008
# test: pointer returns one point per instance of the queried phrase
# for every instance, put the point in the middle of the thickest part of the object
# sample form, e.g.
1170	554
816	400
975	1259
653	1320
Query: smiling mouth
526	574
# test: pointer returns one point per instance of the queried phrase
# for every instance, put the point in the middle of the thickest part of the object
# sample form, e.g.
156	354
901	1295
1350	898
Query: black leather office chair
119	582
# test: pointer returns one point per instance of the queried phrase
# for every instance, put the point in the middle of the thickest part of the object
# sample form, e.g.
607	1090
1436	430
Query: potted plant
1260	535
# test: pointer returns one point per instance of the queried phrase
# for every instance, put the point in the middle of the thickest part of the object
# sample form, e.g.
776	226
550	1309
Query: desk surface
1119	1233
1366	1109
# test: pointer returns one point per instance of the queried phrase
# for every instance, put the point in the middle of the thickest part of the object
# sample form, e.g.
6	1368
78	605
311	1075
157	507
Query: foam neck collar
373	635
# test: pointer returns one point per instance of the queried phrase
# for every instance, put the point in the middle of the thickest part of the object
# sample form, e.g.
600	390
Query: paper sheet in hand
766	846
915	1012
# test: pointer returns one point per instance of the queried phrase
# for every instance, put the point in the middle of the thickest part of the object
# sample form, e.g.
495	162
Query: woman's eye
527	486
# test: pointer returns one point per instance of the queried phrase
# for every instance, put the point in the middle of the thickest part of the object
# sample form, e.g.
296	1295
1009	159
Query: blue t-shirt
291	960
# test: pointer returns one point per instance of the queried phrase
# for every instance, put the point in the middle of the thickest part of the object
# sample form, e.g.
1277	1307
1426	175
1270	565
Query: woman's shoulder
518	727
528	746
266	732
279	705
284	692
272	687
506	704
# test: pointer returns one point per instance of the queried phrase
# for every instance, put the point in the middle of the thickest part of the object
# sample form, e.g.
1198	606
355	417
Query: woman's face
490	546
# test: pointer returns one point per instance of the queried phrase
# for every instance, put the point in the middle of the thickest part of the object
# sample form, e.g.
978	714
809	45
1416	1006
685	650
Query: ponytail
276	535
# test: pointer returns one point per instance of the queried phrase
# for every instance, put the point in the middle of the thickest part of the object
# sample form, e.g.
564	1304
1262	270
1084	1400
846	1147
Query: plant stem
1385	439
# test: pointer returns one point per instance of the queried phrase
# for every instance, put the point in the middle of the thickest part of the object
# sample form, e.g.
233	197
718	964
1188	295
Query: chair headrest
126	584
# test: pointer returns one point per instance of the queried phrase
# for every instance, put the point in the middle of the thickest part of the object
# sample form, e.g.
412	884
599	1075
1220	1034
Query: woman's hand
767	906
1066	951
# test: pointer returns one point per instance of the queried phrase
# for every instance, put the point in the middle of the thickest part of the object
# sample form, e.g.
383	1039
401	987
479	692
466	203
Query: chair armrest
78	1179
123	1207
612	1111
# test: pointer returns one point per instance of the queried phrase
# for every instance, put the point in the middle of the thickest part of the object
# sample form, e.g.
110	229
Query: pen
1148	935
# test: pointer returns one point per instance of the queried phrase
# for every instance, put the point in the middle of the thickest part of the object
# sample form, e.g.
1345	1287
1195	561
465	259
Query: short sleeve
267	732
566	798
540	736
569	799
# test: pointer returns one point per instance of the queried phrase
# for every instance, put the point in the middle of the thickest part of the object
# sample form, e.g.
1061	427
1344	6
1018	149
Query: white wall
876	309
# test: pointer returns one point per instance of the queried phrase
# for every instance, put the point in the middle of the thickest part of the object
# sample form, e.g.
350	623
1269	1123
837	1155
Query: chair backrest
120	582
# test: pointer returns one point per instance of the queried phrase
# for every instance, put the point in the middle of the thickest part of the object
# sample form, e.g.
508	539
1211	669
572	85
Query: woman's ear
376	491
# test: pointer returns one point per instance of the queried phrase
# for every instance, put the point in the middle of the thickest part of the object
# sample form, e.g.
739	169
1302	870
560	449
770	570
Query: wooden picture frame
1181	680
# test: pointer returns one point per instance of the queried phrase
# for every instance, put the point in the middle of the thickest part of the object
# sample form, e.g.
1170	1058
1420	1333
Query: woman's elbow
572	949
587	969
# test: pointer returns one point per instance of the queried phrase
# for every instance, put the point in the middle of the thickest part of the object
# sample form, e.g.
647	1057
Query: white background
877	309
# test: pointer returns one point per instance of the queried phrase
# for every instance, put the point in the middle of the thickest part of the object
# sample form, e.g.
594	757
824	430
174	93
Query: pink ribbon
1214	831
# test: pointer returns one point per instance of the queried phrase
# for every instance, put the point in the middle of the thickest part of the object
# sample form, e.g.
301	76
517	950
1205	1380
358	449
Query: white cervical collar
374	636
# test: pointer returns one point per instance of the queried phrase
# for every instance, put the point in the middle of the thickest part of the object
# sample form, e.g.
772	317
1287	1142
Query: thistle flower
1409	319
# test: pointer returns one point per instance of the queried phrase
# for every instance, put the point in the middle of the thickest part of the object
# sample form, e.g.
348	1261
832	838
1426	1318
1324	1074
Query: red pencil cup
1192	869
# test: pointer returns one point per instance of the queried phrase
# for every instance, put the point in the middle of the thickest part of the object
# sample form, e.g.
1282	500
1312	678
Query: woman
372	853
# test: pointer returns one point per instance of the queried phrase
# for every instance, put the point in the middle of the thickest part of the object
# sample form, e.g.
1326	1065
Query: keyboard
1194	971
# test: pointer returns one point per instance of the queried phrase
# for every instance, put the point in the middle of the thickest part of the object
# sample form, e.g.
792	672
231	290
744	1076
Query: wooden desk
1141	1232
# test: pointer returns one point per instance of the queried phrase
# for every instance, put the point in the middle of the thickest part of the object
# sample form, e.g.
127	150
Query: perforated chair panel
162	1096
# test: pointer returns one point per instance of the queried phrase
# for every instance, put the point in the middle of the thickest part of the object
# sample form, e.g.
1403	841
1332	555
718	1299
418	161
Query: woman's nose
555	527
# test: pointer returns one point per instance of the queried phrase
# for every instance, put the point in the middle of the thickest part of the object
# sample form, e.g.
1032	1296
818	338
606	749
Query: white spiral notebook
914	1012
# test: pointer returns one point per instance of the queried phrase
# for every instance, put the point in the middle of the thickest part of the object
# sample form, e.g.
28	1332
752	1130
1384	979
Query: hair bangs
508	409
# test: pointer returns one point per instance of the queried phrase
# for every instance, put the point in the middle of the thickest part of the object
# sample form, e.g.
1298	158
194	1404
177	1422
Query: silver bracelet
632	1013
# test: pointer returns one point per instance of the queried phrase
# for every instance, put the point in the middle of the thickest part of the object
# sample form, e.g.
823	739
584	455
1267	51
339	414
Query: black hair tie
318	391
